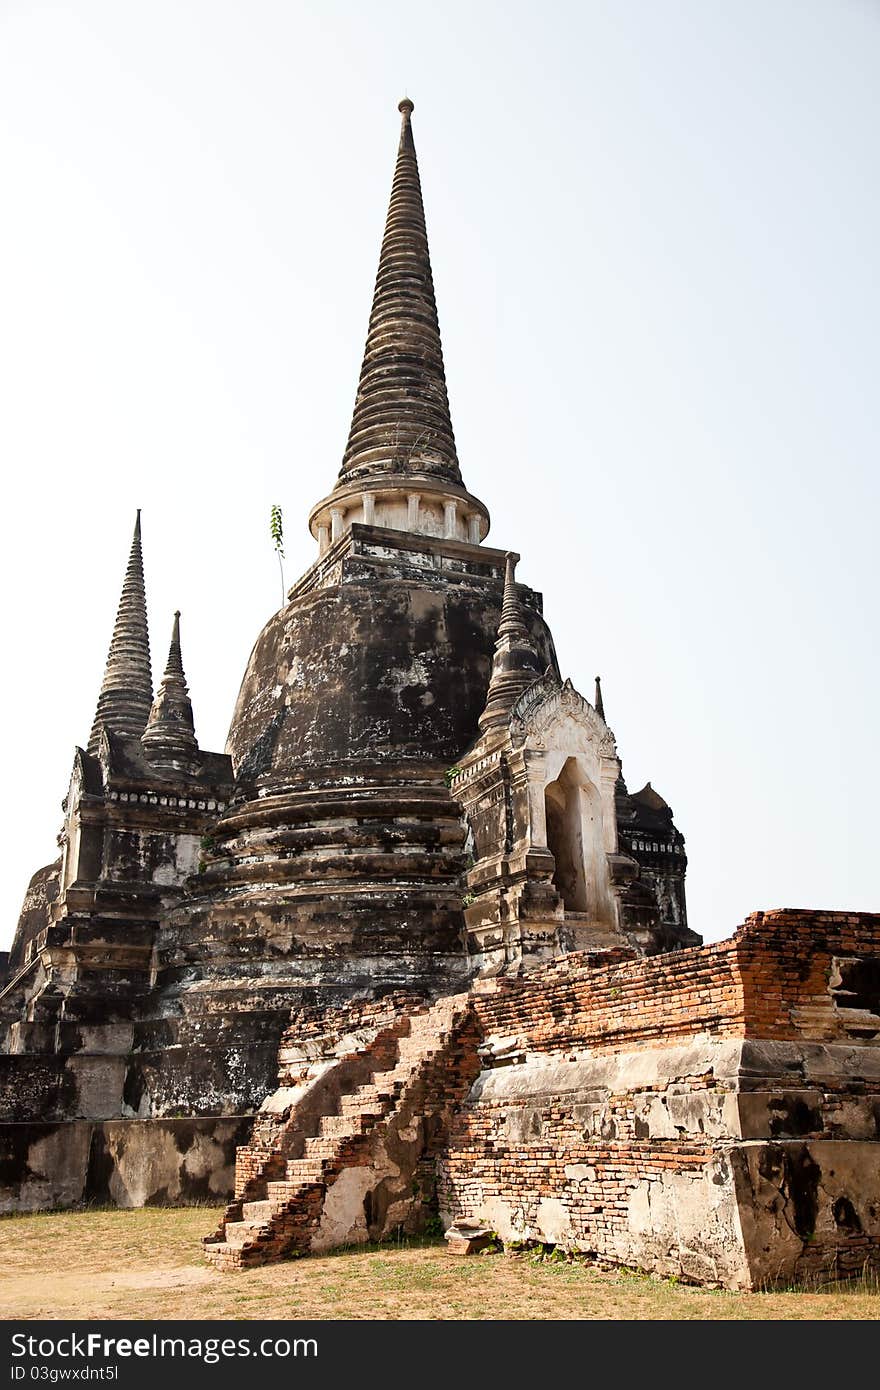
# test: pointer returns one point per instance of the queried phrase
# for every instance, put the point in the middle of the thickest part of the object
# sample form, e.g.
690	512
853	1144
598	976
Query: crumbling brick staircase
361	1166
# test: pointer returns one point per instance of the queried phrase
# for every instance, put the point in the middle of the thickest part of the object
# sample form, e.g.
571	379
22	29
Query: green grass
147	1263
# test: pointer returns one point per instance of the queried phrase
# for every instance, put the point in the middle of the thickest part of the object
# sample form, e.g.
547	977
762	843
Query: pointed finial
600	708
401	421
512	622
174	664
169	739
516	664
127	688
401	431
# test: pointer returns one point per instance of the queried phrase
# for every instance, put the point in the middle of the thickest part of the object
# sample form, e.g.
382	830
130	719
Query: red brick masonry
712	1113
769	980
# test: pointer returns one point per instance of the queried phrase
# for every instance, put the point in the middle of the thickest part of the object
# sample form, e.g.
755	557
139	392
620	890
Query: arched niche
574	824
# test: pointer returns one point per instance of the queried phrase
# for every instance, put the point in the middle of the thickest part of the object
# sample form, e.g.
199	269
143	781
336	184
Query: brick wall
769	980
609	1114
785	960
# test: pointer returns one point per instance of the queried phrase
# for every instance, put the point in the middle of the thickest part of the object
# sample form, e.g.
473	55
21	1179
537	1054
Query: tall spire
516	664
598	703
401	422
169	738
400	468
127	688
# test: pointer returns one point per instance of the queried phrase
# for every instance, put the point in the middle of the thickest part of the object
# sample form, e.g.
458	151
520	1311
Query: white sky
654	232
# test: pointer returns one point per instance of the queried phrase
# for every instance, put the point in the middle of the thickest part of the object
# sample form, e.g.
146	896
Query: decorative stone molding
540	707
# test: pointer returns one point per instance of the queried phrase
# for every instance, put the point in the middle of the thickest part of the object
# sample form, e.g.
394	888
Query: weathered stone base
713	1114
123	1163
808	1210
736	1215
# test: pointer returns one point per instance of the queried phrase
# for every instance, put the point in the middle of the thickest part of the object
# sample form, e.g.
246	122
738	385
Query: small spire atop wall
513	623
127	689
599	706
516	664
169	739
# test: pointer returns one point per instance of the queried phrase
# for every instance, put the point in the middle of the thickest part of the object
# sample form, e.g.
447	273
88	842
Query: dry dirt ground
148	1264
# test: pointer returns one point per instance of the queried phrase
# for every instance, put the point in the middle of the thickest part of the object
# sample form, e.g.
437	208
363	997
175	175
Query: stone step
361	1097
318	1147
353	1113
283	1220
221	1254
434	1024
298	1170
344	1126
256	1211
413	1056
356	1104
419	1038
237	1232
403	1075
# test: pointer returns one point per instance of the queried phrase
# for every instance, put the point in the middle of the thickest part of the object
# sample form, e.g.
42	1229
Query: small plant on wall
276	530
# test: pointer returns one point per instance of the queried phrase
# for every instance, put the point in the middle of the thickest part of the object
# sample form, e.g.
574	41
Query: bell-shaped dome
374	671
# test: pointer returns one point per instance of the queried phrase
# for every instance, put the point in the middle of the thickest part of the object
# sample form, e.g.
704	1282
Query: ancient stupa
309	947
341	847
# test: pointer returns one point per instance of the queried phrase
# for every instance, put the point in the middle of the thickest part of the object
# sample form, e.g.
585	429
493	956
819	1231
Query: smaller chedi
352	971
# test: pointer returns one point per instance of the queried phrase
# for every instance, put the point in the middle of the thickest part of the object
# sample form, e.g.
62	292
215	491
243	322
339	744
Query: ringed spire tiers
515	664
400	467
169	738
401	421
127	689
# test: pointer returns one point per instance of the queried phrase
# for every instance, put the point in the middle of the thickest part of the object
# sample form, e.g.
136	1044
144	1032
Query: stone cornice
539	707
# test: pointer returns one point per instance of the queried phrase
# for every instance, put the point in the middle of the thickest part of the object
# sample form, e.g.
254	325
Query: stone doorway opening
574	838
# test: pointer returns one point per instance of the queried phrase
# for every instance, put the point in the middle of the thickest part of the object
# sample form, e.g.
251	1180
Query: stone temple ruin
410	947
